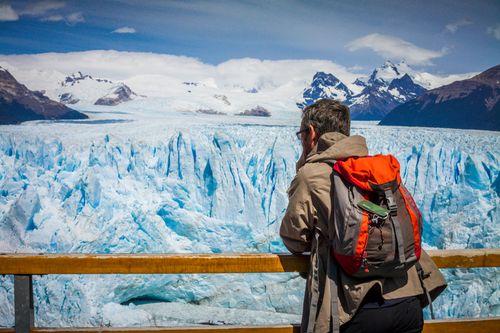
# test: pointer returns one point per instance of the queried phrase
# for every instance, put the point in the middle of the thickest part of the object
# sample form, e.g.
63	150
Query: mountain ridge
469	104
387	87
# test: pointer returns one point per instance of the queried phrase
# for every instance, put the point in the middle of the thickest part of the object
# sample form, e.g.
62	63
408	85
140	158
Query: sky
441	37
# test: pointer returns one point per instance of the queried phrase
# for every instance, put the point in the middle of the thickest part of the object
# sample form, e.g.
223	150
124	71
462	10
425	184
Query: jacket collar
334	146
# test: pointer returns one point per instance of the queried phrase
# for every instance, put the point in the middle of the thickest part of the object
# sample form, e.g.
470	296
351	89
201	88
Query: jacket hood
334	146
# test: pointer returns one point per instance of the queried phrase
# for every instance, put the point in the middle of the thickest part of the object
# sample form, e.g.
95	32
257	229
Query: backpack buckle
377	221
391	203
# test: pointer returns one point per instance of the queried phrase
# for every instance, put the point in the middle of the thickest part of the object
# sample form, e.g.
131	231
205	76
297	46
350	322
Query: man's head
326	115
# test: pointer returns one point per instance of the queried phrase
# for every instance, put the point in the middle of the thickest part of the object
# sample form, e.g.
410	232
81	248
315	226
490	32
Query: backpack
377	225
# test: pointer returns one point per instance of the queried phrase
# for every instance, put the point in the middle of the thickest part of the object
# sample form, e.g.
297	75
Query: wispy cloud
75	18
395	48
42	7
70	19
45	11
124	30
53	18
7	13
356	68
494	31
454	26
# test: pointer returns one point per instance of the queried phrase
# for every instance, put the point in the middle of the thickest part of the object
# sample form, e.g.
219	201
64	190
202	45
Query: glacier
185	184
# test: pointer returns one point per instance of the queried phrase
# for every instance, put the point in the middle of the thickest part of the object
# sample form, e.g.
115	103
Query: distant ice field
135	180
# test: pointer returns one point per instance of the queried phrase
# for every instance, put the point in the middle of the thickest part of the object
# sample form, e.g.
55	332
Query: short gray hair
327	115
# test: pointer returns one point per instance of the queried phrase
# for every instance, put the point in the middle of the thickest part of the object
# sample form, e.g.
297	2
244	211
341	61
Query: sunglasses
298	134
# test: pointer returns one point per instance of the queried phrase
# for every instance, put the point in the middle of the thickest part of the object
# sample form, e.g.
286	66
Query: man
332	297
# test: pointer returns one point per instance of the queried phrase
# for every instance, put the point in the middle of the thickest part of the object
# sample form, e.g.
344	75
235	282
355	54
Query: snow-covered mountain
85	89
387	87
325	85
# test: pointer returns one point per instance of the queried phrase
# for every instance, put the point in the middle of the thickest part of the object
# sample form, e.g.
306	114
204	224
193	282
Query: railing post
23	303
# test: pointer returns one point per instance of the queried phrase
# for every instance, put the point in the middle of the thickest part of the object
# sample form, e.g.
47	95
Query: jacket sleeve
434	280
296	226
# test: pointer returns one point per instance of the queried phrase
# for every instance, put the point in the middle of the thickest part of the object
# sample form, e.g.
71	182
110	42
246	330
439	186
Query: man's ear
313	135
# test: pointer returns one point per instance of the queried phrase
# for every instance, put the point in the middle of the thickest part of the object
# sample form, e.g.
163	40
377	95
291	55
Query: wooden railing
24	266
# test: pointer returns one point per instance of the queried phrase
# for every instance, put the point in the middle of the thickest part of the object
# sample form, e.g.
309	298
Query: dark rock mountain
379	97
121	94
257	111
371	104
360	83
210	112
18	103
324	85
68	98
252	91
78	77
406	87
467	104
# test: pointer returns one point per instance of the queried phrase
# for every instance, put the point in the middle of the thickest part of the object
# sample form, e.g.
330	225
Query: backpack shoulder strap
313	308
332	276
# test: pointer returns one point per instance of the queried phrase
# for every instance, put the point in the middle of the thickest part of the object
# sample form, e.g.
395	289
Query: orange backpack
377	225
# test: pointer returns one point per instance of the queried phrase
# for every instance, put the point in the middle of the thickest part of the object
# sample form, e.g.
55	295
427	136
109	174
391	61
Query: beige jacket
309	210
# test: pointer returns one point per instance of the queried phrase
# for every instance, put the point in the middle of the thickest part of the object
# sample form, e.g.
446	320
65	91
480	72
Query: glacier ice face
214	188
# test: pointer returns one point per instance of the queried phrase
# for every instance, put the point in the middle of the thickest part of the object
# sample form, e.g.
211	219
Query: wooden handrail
150	263
476	325
23	266
465	325
468	258
39	264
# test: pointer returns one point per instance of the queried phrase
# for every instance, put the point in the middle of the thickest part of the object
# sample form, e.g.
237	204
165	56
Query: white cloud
44	11
42	7
7	13
70	19
124	30
245	73
395	48
453	26
494	31
53	18
75	18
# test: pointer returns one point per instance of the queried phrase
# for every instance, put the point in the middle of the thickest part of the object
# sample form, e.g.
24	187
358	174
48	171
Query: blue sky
438	36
